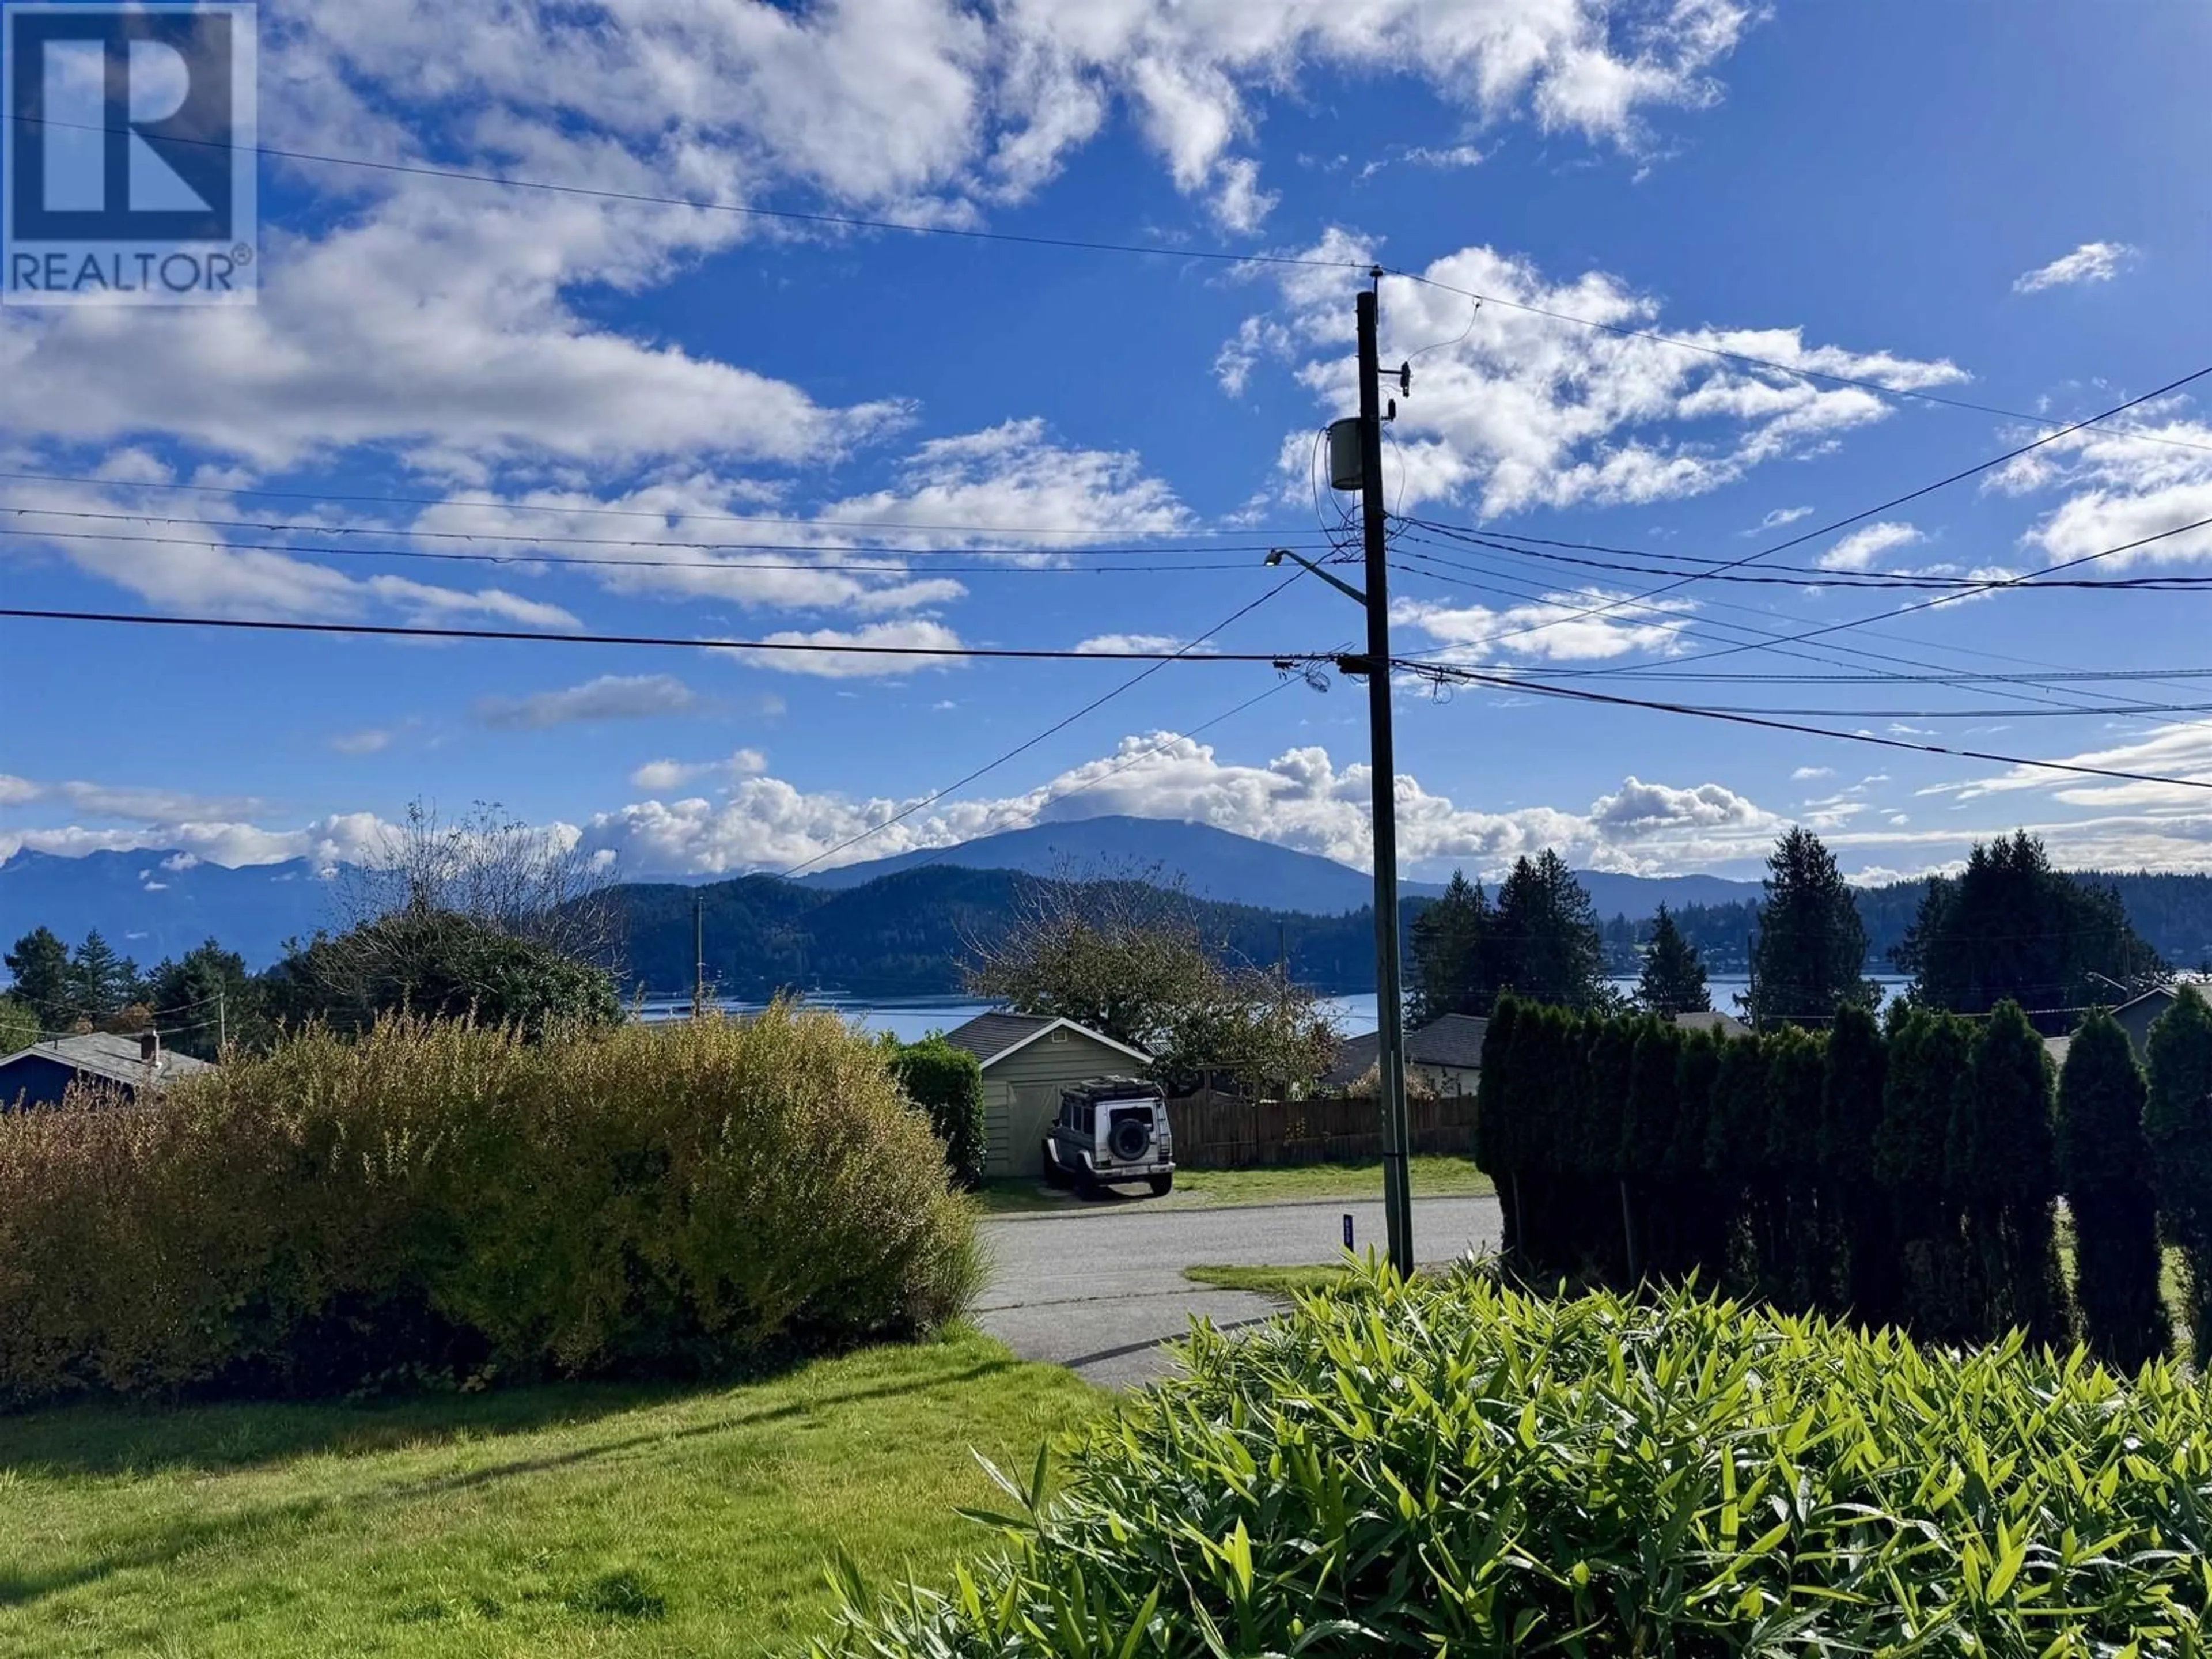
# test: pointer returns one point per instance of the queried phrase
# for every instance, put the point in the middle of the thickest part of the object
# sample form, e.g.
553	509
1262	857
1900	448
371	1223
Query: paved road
1099	1289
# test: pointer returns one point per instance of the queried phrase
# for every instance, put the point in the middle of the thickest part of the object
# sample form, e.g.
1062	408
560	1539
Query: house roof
1453	1042
1713	1020
992	1037
116	1058
2156	993
1354	1056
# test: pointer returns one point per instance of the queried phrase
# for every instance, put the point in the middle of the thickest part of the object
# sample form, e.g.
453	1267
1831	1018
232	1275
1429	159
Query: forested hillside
909	933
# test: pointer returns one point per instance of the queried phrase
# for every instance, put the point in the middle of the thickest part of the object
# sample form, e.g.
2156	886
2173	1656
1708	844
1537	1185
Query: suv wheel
1162	1185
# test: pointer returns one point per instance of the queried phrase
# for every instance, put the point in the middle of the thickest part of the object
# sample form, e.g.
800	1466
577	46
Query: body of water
909	1019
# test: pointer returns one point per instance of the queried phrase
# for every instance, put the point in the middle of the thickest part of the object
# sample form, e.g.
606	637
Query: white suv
1111	1129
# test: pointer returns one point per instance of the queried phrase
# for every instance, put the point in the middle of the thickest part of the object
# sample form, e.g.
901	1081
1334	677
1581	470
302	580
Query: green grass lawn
561	1521
1282	1283
1433	1178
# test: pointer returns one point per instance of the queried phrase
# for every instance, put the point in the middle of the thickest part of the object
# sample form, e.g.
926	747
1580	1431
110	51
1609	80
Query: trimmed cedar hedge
1906	1172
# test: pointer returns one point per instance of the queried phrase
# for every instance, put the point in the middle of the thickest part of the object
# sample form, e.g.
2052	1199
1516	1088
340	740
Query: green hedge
439	1201
1462	1469
1900	1173
947	1084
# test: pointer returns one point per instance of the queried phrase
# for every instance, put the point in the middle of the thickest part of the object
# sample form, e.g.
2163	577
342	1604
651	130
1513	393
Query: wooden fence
1218	1133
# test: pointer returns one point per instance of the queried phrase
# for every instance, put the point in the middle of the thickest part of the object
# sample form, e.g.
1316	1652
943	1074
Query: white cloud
1512	409
1116	644
609	697
1555	629
1779	517
1859	550
661	776
922	638
1256	338
2178	750
369	741
1455	156
209	570
1806	774
135	803
343	838
2091	261
1301	799
2126	484
1007	482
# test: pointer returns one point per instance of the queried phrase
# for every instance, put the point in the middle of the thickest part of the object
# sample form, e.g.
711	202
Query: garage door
1034	1107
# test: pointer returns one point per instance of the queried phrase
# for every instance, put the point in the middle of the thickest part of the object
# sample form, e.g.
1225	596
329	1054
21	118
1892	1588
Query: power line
1438	672
1801	576
1926	604
1051	731
522	637
1654	617
855	546
1894	502
834	526
516	561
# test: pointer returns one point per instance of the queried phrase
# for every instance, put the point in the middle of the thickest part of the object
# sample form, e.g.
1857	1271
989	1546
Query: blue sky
1995	206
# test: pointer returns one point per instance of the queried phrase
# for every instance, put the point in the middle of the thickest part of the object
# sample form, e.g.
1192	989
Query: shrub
1458	1468
446	1201
947	1084
2002	1161
2106	1166
1851	1115
2178	1124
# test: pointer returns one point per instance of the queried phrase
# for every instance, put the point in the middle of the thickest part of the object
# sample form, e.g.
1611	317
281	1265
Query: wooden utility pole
698	956
1390	1044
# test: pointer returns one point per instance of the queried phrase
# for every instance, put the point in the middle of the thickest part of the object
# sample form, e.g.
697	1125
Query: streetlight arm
1343	587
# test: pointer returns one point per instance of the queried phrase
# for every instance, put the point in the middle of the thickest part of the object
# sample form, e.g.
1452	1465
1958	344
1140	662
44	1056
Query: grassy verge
548	1521
1433	1178
1282	1283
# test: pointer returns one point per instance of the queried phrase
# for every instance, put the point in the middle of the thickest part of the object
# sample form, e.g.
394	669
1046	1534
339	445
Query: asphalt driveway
1098	1291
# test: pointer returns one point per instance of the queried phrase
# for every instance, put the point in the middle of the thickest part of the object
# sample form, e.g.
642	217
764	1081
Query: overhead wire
1049	731
1816	576
1894	502
1435	670
376	630
516	561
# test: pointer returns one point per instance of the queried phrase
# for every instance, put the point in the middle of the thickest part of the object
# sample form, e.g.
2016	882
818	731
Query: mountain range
153	905
1232	869
907	923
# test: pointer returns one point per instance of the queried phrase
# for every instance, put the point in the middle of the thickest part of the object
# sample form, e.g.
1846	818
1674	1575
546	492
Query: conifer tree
1493	1122
1850	1116
1930	1064
2104	1165
2001	1161
1549	948
1674	979
2178	1125
1810	955
1449	949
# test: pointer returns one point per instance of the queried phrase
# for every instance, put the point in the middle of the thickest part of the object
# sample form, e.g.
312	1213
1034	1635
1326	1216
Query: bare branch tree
1122	952
498	871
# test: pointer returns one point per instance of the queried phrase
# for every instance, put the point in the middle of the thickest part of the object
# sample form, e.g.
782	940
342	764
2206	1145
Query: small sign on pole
1348	1233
